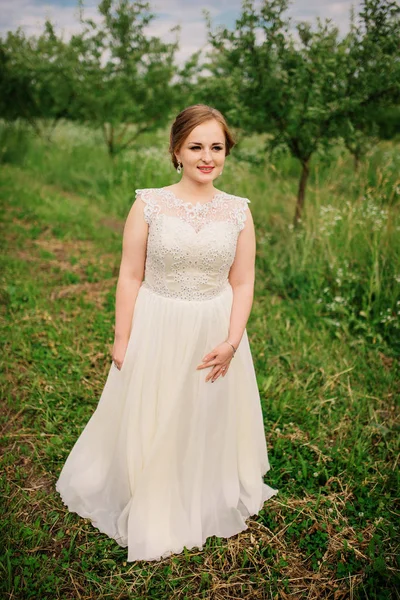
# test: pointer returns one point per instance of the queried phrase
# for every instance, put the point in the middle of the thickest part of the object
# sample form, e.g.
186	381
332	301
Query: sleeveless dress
168	459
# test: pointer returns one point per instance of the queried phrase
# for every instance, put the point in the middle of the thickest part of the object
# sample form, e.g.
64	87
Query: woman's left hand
219	358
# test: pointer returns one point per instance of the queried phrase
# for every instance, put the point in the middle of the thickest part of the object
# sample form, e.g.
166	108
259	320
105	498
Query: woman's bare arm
241	278
131	271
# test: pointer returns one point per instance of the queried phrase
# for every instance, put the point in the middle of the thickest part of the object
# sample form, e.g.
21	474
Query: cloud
338	12
31	15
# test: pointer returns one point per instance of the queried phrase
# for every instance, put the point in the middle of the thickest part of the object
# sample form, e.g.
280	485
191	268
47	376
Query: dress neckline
194	204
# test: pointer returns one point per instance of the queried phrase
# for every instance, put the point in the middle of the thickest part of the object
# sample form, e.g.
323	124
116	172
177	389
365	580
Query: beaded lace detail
190	246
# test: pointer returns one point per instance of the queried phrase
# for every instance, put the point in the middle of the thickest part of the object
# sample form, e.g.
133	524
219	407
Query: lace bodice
190	246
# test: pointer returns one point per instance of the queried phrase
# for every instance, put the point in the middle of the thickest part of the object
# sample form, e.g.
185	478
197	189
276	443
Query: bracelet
234	349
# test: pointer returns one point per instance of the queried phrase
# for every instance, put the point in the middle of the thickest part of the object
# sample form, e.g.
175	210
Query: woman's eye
198	147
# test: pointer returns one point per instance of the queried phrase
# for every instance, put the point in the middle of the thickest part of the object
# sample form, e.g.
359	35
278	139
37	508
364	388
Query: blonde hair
191	117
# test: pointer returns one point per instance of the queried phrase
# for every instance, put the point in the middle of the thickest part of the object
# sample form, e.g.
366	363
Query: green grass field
325	338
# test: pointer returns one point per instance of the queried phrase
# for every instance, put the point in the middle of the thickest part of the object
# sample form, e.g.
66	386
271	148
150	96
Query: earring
179	167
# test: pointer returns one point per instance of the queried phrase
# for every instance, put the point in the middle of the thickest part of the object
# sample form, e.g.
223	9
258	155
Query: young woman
175	451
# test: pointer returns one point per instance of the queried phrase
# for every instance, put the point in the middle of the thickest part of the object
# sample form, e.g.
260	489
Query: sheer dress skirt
166	459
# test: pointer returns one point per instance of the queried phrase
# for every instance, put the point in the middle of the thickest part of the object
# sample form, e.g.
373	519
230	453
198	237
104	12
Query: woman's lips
206	169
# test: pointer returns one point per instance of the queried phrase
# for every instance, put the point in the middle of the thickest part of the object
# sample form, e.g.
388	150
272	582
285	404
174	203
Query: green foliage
38	82
15	140
109	75
388	122
310	92
372	73
123	78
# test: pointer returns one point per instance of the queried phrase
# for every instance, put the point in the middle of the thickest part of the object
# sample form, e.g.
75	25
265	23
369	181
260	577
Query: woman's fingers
211	363
216	372
211	375
221	355
225	370
118	364
218	362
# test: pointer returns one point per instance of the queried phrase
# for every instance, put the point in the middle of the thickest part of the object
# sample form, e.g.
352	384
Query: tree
372	74
123	78
109	75
300	92
37	79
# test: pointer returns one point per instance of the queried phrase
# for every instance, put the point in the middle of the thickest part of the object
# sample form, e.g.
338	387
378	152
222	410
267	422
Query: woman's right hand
118	352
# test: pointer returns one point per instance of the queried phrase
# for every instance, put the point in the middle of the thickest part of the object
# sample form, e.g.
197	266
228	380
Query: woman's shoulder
237	207
148	195
153	192
241	200
144	191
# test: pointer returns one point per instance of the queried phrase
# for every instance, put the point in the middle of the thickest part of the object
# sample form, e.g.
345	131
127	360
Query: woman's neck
194	189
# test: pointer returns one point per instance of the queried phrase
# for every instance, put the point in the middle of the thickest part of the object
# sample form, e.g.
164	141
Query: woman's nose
207	157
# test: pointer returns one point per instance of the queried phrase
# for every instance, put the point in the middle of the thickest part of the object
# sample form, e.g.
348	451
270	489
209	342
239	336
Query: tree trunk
111	146
109	138
356	161
305	171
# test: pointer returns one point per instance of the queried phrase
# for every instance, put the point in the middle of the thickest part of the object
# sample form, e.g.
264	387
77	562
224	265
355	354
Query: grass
324	333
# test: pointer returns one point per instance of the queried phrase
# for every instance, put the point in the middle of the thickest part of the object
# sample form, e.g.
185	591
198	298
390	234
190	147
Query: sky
31	14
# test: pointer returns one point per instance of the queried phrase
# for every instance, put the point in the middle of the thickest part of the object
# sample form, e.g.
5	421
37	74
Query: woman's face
202	153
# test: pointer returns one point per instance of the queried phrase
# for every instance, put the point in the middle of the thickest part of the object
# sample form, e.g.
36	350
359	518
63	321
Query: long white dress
167	459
